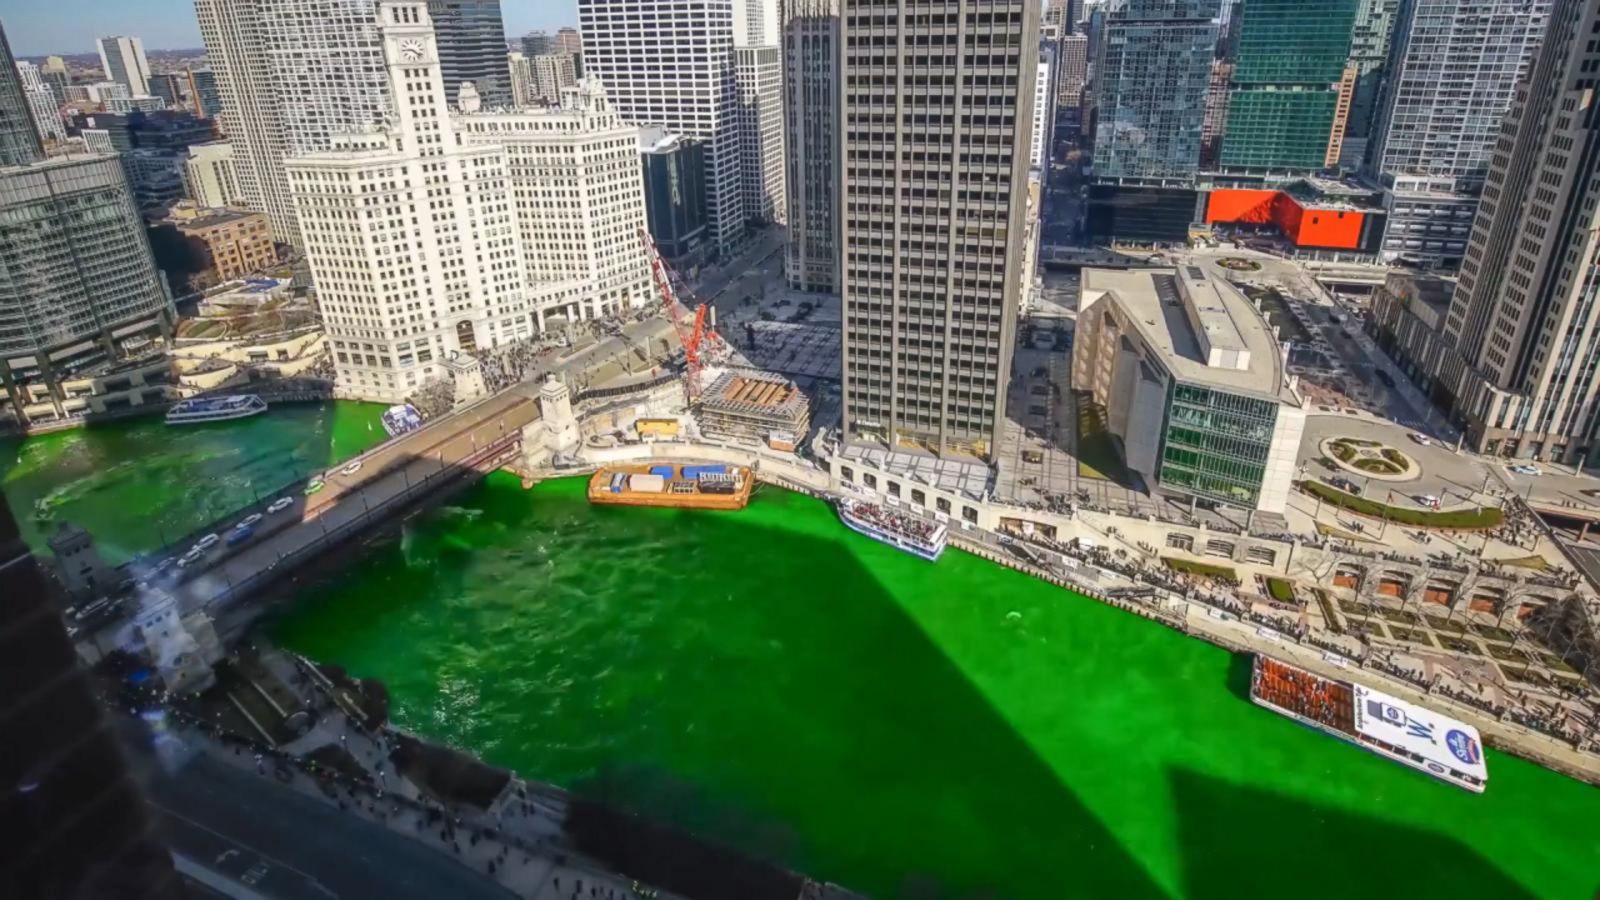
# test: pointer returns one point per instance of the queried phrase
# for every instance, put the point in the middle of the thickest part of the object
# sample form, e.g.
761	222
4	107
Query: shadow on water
942	801
1239	671
1311	853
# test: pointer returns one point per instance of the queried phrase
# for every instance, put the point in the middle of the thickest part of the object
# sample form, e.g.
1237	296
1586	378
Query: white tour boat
216	409
897	529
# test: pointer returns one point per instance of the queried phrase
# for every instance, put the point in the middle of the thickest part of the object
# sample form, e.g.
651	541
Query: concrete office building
811	143
375	203
1370	46
1283	99
122	59
673	66
675	198
168	87
1432	138
472	47
1193	383
1520	347
81	292
237	241
209	176
761	168
1072	70
932	245
578	199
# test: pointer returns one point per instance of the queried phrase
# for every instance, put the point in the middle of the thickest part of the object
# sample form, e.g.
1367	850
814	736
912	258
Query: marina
703	486
215	409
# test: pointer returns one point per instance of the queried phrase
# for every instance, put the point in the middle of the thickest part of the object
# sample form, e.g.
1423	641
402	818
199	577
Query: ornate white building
410	232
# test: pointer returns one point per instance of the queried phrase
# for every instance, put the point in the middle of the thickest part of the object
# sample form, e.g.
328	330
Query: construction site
757	407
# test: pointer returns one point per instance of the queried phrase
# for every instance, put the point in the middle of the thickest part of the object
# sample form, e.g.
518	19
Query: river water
774	681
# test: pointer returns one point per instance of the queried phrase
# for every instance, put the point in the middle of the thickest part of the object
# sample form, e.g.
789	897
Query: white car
250	520
1420	438
194	554
280	504
1428	500
352	468
205	543
1524	469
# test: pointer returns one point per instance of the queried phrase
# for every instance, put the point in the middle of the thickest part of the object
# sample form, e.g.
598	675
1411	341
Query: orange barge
695	486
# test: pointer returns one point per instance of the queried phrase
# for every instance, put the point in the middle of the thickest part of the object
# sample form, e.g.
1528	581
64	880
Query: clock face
412	50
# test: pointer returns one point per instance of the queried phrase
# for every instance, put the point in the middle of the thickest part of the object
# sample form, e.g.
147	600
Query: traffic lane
302	844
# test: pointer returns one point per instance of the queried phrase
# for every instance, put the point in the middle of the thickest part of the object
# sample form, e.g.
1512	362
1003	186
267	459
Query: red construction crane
691	336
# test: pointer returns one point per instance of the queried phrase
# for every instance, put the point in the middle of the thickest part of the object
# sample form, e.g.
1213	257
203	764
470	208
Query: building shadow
1238	841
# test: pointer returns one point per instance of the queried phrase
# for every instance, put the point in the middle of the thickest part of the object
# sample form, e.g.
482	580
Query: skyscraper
549	76
472	47
536	43
672	65
416	289
204	99
935	130
811	143
1044	106
1291	54
1072	70
760	80
1151	72
123	60
1518	359
167	86
1370	41
19	140
42	103
1432	140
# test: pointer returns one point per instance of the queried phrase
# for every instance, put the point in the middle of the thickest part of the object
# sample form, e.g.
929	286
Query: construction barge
708	486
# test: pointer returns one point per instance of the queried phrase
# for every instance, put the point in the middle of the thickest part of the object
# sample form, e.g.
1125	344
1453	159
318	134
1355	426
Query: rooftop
1202	328
214	218
753	393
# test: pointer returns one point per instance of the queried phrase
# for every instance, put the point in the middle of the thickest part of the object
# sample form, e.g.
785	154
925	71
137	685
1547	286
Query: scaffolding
755	406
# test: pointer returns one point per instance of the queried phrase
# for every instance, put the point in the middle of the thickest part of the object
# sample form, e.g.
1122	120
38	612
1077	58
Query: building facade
1151	71
675	200
674	67
1283	98
46	112
19	138
761	168
168	87
1521	344
1199	396
549	77
935	129
122	59
79	290
238	242
472	47
811	143
578	200
1431	140
410	233
1370	46
1044	108
209	176
204	99
1072	70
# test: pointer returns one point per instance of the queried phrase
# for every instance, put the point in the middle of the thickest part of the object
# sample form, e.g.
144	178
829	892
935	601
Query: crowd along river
775	682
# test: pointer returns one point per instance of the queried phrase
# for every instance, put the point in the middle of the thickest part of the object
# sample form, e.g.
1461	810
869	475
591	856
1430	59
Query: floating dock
692	486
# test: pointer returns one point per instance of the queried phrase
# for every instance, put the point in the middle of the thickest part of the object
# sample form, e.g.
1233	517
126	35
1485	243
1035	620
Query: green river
772	680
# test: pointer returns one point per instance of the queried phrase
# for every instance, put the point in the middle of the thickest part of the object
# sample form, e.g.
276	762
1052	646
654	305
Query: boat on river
400	419
711	486
1430	742
902	531
216	409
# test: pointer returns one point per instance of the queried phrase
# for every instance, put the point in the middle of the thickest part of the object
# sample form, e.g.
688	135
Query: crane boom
689	335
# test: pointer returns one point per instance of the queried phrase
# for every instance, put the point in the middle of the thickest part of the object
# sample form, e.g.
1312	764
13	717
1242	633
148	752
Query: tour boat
1402	732
216	409
703	486
398	420
906	532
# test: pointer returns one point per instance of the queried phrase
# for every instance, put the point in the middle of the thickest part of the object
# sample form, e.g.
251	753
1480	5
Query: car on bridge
280	504
250	520
351	469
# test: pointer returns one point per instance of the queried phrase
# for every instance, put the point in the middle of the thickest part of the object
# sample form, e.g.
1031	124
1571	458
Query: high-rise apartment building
410	233
1044	106
81	289
937	110
672	65
1151	73
761	169
168	86
1432	137
54	72
549	77
122	59
1370	41
42	104
568	41
19	139
1072	70
209	176
1516	358
472	47
1290	57
537	43
811	143
204	100
578	199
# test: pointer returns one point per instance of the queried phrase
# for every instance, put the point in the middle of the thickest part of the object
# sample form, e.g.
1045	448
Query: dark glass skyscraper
471	38
1282	101
19	140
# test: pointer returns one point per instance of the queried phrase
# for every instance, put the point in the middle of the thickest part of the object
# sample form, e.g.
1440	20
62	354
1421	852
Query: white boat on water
398	420
1395	729
905	532
216	409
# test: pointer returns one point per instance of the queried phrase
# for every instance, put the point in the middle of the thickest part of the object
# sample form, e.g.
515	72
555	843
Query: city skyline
59	28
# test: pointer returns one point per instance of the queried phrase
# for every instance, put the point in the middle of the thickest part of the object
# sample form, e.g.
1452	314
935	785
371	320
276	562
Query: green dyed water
139	483
774	681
